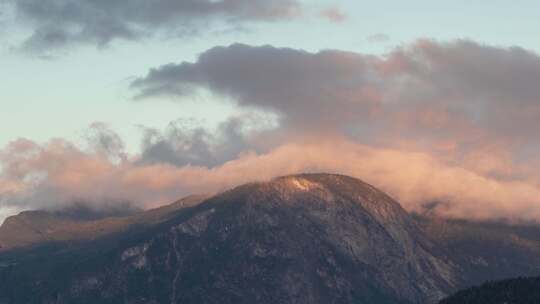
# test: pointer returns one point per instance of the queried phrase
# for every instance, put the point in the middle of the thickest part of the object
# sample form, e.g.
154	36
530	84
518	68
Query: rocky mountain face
32	228
314	238
486	251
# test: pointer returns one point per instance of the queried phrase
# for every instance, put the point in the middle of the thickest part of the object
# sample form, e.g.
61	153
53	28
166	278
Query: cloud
334	14
414	178
186	142
456	96
59	174
59	24
468	106
448	126
308	91
105	142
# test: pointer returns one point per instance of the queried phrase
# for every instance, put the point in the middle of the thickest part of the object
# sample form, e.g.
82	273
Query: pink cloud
414	178
334	14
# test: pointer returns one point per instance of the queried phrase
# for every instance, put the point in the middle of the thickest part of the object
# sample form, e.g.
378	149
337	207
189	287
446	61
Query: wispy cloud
416	179
59	24
334	14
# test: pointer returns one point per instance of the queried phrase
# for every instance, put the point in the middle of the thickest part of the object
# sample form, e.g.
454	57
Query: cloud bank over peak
448	127
467	105
56	175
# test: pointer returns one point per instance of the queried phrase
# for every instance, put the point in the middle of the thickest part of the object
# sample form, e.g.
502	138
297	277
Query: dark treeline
512	291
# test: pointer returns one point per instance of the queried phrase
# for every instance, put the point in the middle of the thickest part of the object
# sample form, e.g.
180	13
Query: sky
435	102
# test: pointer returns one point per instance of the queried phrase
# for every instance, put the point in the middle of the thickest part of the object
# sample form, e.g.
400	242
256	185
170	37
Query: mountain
75	224
513	291
486	251
309	238
297	239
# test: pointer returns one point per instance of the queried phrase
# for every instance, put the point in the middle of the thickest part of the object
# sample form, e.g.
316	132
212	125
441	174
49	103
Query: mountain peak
357	220
324	189
300	183
329	181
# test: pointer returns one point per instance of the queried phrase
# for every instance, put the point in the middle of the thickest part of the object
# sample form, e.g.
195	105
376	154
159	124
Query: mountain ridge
34	227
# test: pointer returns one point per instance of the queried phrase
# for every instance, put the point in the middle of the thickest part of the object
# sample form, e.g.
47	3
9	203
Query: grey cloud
316	91
184	143
491	88
94	176
458	94
60	23
102	140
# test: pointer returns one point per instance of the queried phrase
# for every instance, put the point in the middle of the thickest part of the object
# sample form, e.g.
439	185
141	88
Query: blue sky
59	97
